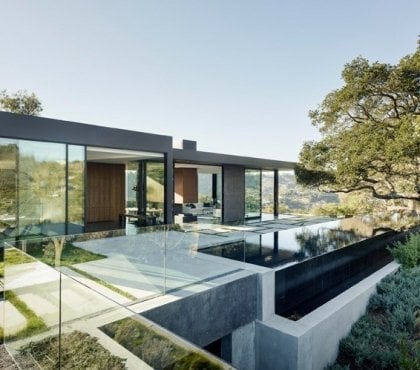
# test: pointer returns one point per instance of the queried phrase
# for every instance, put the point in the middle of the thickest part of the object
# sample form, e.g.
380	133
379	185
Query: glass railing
67	298
132	265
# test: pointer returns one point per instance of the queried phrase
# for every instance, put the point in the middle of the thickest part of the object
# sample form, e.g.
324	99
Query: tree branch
388	196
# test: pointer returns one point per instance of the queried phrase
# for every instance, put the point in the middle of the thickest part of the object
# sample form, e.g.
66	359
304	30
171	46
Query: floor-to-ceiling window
267	195
8	186
210	192
197	193
75	189
155	191
252	194
42	188
129	185
41	205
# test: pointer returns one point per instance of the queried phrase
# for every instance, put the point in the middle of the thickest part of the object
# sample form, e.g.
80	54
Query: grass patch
78	351
156	350
34	324
16	257
102	282
70	255
13	256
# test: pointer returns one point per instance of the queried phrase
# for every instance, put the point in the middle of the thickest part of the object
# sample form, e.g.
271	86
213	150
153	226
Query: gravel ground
6	362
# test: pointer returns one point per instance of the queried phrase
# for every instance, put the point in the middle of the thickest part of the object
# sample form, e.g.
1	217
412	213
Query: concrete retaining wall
212	314
312	342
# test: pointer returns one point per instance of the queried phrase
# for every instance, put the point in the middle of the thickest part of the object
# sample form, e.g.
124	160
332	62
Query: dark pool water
314	263
287	247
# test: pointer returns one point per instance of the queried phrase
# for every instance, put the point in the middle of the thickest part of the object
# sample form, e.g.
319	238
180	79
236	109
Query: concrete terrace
161	262
137	264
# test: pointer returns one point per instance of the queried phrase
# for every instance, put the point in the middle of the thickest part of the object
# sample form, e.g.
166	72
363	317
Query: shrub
408	253
387	336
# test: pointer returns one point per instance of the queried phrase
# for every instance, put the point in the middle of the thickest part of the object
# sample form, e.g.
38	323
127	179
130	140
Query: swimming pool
287	247
314	263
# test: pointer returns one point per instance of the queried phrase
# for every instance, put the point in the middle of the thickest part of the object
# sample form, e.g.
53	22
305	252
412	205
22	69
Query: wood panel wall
186	185
106	191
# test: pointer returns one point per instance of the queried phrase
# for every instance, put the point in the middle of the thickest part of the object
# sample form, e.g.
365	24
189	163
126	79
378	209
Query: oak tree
370	131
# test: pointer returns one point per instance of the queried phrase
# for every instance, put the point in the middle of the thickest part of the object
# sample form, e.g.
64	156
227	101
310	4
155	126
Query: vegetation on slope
388	335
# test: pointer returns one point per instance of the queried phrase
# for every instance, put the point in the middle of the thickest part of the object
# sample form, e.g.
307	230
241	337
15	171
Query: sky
237	76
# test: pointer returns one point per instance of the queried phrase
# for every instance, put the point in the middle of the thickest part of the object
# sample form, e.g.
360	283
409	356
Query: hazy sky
238	76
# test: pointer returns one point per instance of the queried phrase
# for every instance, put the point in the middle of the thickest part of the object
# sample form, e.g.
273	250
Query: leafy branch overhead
370	132
20	102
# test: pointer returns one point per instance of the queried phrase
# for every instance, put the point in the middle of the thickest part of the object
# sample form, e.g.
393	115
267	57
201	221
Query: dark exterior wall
205	317
233	193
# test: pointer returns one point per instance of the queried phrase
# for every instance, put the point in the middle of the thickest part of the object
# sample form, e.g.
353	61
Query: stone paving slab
15	321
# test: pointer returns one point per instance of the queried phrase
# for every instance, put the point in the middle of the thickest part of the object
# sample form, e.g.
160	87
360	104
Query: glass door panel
267	195
252	194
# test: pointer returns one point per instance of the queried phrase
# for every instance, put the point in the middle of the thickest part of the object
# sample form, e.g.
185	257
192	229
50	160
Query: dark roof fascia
198	157
25	127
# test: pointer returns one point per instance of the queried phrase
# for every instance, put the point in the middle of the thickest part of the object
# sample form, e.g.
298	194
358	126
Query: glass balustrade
69	300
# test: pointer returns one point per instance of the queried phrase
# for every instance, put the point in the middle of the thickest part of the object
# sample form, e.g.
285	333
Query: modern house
61	177
216	286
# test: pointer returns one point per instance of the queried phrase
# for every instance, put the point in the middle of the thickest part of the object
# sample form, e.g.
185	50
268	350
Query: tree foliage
20	102
370	132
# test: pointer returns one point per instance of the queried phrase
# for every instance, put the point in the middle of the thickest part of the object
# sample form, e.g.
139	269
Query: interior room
198	193
123	187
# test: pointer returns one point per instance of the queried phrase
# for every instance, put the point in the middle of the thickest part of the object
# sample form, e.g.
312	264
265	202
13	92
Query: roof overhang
217	159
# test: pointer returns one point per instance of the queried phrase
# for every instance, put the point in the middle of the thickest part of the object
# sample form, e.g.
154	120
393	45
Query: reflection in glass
209	193
8	189
252	193
76	188
42	188
267	194
155	185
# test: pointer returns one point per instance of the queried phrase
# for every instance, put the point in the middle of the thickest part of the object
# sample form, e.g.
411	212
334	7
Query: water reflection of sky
297	244
289	239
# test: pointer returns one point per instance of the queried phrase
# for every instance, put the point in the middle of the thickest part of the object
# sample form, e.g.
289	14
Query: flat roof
18	126
199	157
25	127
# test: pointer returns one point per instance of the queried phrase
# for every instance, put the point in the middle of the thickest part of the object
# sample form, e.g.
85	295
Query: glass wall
8	194
52	317
76	189
210	192
155	190
41	188
205	188
145	191
131	187
267	194
252	193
